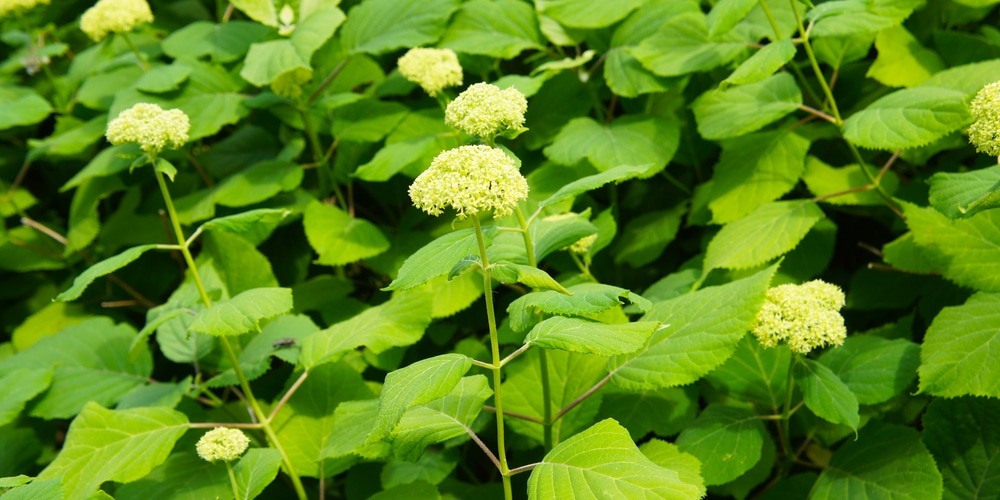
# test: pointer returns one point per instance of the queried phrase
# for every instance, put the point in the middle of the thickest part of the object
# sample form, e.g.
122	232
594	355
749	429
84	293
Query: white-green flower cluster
114	16
8	6
222	443
484	110
984	133
470	179
804	316
582	245
150	126
432	69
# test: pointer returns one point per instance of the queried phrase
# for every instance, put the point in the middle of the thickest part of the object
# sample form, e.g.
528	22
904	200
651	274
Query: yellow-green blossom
470	179
8	6
805	316
984	133
222	443
583	245
432	69
114	16
151	127
484	110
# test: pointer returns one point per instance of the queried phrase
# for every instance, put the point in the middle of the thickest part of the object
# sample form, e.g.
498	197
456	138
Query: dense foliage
248	253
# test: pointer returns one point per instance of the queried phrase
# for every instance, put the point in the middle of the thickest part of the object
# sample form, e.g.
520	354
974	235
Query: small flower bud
150	127
8	6
984	133
114	16
805	316
484	110
287	18
470	179
432	69
222	443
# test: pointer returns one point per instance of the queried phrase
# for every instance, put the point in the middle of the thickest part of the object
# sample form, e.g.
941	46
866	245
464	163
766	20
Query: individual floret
8	6
151	127
470	179
114	16
484	110
804	316
984	133
222	443
432	69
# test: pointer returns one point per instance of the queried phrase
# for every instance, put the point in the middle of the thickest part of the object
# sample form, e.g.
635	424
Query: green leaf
442	419
646	236
845	18
183	476
682	45
398	322
267	61
825	394
163	78
902	61
243	313
19	386
964	251
250	224
724	114
501	29
904	253
339	238
591	182
417	490
705	328
584	13
586	299
954	193
726	439
397	156
762	64
631	140
961	434
261	11
438	257
432	467
21	106
49	489
224	42
968	78
885	458
548	235
823	179
754	373
379	26
625	75
69	141
590	337
12	482
664	412
755	169
352	422
908	118
509	272
771	230
958	356
873	368
367	120
725	14
258	183
255	470
418	383
108	445
667	455
255	357
48	320
602	462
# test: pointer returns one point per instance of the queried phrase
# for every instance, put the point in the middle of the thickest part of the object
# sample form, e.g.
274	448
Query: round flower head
805	316
150	127
484	110
8	6
114	16
222	443
432	69
470	179
984	133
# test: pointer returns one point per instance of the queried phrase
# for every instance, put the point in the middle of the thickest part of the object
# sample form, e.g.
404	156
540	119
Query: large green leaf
959	354
107	445
823	179
624	73
183	476
726	439
646	237
224	42
885	458
966	251
254	225
762	64
769	231
339	238
258	183
961	434
398	322
586	299
255	357
267	61
902	61
603	463
873	368
262	11
825	394
664	412
954	193
501	29
591	182
256	469
705	328
102	268
908	118
442	419
723	114
584	13
19	386
755	373
243	313
532	277
631	140
854	17
379	26
421	382
21	106
590	337
682	45
755	169
668	455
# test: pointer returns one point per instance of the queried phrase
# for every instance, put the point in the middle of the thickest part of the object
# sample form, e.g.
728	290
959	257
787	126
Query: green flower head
8	6
470	179
805	316
114	16
484	110
984	133
222	443
432	69
150	126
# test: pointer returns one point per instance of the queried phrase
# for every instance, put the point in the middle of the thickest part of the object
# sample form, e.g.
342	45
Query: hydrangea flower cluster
432	69
114	16
470	179
805	316
8	6
484	110
222	443
150	126
984	133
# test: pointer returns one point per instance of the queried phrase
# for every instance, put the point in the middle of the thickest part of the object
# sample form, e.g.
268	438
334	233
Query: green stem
232	481
326	181
770	19
786	412
135	49
230	353
495	348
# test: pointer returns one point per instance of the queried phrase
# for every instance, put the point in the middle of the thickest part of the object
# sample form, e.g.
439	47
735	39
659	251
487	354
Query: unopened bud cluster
114	16
484	110
432	69
8	6
222	443
470	179
984	133
804	316
150	126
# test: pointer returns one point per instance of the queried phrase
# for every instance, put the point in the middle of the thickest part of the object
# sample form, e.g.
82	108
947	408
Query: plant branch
524	468
486	449
583	397
519	416
327	81
510	357
818	114
288	395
